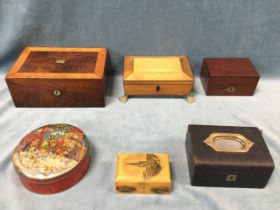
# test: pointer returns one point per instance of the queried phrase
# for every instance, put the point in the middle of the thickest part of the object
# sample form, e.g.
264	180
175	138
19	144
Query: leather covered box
226	156
157	76
229	76
58	77
52	158
143	173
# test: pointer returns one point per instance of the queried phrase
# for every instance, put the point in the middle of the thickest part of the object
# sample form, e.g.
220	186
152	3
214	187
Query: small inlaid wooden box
157	76
229	76
228	156
58	77
143	173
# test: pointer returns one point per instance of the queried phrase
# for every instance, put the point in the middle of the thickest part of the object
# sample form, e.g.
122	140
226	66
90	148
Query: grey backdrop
198	28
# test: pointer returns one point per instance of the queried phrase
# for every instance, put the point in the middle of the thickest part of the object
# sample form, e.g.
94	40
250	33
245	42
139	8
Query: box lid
64	63
147	168
50	151
231	71
255	154
150	69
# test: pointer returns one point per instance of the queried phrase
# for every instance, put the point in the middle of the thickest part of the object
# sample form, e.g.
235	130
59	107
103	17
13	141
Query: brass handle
158	88
56	92
228	142
60	61
231	89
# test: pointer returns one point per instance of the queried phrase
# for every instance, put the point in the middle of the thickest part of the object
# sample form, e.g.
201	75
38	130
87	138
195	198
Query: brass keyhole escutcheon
61	61
158	88
231	89
231	177
56	92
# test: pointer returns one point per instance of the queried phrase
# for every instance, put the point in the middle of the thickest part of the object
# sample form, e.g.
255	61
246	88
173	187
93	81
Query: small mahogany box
225	156
58	77
143	173
229	76
157	76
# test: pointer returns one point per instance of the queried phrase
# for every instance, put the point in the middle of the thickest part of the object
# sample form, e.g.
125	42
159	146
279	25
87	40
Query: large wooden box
58	77
229	76
52	158
226	156
157	76
143	173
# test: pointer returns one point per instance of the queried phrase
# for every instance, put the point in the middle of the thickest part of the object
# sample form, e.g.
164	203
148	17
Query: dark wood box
229	76
248	166
58	77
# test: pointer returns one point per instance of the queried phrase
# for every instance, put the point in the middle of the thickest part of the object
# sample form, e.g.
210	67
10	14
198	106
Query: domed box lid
52	155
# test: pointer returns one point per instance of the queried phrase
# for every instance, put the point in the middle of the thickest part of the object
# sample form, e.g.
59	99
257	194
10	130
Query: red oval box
52	158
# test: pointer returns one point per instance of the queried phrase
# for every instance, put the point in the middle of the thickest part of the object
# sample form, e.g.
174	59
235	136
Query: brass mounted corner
245	144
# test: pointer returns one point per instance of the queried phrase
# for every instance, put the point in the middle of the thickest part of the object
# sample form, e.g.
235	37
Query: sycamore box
143	173
157	76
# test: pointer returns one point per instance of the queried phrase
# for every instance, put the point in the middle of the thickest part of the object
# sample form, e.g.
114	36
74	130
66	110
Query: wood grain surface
229	76
58	77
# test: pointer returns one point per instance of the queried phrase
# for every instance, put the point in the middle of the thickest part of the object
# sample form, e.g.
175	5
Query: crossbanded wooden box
157	76
58	77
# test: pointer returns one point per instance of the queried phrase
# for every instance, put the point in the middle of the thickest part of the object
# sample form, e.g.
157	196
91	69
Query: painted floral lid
50	151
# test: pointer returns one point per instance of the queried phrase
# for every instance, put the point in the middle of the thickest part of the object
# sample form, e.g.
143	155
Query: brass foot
190	99
123	99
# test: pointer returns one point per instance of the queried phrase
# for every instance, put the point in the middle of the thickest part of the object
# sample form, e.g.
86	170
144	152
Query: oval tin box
52	158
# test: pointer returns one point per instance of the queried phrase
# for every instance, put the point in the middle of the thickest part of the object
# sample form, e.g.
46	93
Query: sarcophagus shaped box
157	76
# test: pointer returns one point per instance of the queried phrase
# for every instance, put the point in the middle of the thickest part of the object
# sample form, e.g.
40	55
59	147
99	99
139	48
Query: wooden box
157	76
226	156
229	76
52	158
58	77
143	173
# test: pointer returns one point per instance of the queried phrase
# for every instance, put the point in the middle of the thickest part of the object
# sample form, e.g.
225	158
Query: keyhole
158	88
57	92
231	89
231	177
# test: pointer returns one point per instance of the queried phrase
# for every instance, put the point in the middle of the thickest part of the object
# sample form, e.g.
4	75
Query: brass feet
123	99
190	99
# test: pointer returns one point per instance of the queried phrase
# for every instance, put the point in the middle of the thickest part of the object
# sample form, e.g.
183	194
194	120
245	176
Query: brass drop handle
231	89
57	93
158	88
